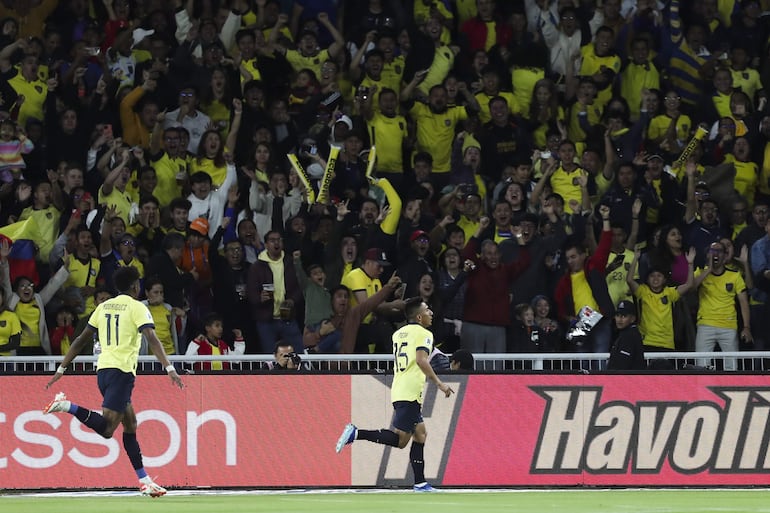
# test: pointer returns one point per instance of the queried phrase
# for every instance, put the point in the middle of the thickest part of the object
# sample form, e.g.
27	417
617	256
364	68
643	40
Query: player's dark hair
125	277
412	307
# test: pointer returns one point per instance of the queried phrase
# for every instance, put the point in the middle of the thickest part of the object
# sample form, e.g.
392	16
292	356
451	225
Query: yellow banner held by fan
302	177
326	181
370	162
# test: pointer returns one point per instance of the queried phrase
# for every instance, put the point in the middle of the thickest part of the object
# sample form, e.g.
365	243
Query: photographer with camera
286	359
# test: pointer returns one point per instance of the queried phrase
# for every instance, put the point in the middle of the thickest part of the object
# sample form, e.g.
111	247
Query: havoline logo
580	434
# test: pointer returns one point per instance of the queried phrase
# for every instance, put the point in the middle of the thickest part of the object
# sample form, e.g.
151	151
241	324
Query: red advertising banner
498	430
219	431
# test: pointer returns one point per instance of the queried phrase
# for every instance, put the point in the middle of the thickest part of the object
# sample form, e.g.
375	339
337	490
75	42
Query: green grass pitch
449	501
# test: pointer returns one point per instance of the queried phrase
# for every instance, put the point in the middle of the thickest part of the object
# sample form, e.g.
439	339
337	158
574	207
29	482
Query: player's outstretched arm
424	364
157	349
75	348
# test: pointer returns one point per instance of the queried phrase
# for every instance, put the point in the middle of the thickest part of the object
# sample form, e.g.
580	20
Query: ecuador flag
21	236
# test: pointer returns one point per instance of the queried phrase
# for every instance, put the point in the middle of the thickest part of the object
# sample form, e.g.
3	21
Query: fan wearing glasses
29	306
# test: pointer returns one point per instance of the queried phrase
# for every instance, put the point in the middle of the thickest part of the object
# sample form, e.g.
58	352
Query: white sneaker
348	436
152	489
59	404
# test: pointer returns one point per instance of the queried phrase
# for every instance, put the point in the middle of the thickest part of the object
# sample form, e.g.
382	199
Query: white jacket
213	206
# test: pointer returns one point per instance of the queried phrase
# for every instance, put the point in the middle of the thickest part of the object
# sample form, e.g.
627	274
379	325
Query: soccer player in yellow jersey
120	322
412	345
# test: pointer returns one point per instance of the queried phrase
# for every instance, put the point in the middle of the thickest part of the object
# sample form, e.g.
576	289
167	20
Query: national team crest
729	287
664	300
447	122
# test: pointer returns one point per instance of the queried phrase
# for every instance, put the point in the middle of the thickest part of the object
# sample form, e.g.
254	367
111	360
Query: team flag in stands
21	236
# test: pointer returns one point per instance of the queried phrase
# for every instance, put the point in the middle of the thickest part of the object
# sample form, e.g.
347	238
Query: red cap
417	234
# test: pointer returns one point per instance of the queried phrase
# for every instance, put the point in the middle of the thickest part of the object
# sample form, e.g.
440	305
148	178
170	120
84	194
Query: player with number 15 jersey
408	378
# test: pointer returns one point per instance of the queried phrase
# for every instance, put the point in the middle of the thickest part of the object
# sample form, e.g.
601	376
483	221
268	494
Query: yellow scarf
276	266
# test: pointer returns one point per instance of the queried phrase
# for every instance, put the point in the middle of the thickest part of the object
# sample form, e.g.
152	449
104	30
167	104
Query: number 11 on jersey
110	328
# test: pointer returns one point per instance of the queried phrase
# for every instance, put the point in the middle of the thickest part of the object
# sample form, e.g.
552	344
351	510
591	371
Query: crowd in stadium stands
531	158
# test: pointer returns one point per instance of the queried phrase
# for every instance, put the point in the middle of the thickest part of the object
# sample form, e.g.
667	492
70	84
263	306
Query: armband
170	368
61	370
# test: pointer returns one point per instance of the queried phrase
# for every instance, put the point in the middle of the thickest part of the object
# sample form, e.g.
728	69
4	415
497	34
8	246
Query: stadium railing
747	361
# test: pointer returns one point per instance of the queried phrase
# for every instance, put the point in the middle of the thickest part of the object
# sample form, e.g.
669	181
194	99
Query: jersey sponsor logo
618	437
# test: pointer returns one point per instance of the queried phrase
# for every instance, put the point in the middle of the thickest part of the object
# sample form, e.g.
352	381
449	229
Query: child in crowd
13	144
163	315
63	334
656	303
210	343
320	335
